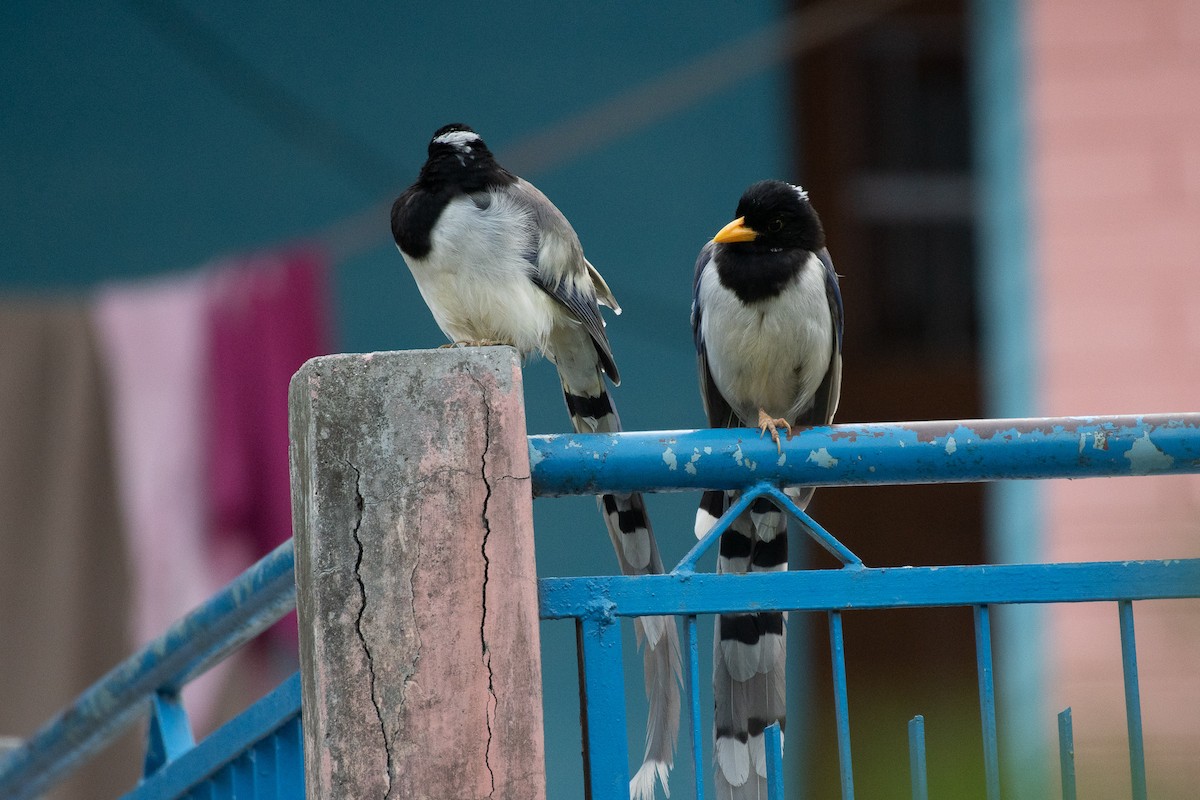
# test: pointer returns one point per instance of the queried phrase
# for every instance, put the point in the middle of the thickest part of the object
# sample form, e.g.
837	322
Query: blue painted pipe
918	774
878	453
987	700
773	745
1133	702
865	588
1066	754
841	704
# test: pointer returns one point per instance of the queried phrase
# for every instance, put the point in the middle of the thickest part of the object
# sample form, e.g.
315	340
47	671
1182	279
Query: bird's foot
768	423
473	343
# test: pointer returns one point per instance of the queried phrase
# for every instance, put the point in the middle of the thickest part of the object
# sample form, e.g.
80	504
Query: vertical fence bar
289	756
987	700
691	686
1133	703
916	758
583	711
220	786
773	742
266	767
169	734
841	704
1066	754
603	678
241	776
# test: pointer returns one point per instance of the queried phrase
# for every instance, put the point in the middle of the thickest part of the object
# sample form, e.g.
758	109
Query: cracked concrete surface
415	563
360	505
487	532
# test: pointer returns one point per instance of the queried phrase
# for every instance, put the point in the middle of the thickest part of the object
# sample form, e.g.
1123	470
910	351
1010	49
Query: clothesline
638	107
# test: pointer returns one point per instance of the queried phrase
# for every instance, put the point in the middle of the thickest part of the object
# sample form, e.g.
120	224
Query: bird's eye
775	225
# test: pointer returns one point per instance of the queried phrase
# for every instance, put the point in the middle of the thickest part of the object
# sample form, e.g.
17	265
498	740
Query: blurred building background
1114	184
196	200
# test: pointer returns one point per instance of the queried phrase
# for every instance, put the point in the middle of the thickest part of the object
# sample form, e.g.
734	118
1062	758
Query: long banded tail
749	650
592	411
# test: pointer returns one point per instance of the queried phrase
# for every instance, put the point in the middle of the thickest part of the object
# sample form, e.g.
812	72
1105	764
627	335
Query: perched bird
767	322
498	263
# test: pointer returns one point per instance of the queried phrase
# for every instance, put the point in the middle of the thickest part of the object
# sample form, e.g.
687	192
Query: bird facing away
498	263
767	323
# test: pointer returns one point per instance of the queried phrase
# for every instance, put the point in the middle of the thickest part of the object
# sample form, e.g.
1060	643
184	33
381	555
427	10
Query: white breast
476	280
772	354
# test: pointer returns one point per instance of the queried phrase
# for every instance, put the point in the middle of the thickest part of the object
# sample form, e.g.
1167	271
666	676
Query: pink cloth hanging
268	314
152	336
153	342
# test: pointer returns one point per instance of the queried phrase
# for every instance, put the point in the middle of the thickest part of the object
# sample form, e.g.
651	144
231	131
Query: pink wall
1114	136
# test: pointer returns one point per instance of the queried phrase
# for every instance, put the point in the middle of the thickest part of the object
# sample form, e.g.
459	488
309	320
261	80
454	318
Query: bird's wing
562	272
718	410
826	401
604	295
833	292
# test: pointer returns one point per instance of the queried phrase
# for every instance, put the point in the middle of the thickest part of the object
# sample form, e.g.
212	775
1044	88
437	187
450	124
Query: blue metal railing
833	591
258	753
249	605
958	451
925	452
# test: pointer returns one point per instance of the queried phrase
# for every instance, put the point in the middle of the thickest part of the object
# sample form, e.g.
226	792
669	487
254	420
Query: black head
458	140
459	157
774	216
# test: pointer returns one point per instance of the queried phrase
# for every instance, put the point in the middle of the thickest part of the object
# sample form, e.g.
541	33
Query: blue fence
259	754
928	452
152	679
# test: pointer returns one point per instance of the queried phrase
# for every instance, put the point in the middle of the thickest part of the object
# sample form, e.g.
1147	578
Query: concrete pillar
417	595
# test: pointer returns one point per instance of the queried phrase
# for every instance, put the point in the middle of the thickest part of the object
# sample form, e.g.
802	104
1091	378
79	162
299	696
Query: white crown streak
457	139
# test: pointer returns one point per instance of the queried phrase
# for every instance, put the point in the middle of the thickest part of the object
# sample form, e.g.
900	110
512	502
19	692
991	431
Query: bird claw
768	423
472	343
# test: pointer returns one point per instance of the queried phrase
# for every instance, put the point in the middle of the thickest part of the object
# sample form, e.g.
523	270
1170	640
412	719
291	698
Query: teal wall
129	152
1008	314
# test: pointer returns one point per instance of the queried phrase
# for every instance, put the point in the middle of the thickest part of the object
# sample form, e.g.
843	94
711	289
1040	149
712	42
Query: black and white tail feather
633	541
767	323
749	650
497	262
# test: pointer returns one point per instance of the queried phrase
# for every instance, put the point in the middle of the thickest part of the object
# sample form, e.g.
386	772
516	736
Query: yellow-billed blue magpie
498	263
767	323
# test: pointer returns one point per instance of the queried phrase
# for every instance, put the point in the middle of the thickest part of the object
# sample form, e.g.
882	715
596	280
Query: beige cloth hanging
64	575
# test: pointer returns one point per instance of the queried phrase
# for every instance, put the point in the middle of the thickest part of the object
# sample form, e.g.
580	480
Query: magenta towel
268	315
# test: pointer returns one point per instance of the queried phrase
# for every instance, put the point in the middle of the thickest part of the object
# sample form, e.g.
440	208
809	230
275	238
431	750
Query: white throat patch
457	139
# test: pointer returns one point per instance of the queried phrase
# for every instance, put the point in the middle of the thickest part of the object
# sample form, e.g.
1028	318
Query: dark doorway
883	144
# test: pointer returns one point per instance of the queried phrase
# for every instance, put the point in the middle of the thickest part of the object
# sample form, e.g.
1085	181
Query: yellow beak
736	231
